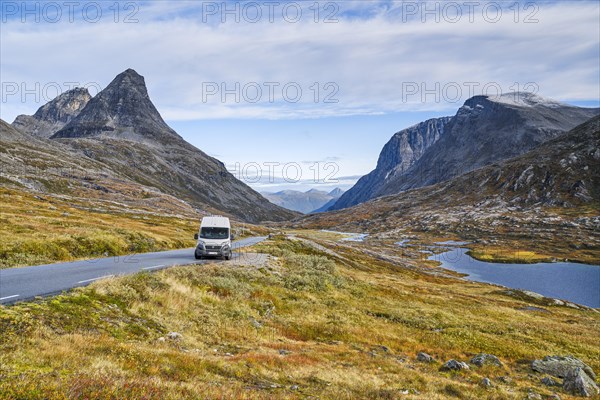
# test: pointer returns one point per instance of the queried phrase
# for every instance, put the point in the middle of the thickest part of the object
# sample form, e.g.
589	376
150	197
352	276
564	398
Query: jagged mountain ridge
122	129
304	202
562	172
55	114
490	129
484	130
122	110
47	167
397	156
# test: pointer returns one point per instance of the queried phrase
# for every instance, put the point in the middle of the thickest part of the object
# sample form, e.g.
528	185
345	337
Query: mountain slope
484	130
55	114
563	172
9	134
57	204
325	207
397	156
304	202
121	128
44	166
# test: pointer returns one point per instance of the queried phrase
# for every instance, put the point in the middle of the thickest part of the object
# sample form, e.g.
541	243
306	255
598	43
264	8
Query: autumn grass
308	323
322	234
501	255
44	229
552	233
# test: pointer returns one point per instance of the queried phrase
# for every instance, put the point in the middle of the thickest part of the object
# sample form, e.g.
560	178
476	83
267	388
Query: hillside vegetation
318	320
41	228
546	201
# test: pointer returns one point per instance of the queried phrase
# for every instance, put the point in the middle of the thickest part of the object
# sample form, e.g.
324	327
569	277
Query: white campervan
214	238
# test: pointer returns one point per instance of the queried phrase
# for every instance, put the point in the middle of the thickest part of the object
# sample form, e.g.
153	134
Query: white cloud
371	55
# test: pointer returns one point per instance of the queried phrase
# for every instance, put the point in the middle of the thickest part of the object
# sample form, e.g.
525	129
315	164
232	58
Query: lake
579	283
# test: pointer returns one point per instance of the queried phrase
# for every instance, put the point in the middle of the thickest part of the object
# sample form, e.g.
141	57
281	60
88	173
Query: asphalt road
18	284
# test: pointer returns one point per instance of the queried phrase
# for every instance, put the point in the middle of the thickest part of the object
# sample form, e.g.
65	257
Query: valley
338	200
322	318
310	312
311	201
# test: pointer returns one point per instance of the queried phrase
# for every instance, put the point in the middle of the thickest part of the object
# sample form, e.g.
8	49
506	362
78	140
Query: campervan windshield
214	233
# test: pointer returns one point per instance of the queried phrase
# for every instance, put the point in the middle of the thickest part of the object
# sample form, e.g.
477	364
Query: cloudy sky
312	86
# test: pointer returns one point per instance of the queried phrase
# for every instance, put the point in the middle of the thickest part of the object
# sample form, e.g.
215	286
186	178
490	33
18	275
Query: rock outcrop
579	383
560	367
484	131
398	155
122	129
485	359
54	115
454	365
578	377
424	357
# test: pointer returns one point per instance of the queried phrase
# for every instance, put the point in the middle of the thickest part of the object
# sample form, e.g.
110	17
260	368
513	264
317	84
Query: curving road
25	283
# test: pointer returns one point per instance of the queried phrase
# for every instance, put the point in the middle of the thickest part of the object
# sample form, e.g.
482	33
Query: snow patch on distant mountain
485	130
523	99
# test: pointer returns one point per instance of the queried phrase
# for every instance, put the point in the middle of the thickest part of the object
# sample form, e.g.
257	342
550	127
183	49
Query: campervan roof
215	222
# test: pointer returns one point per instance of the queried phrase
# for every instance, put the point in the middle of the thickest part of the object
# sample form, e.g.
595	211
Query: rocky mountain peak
485	130
128	82
55	114
403	150
65	106
509	101
123	109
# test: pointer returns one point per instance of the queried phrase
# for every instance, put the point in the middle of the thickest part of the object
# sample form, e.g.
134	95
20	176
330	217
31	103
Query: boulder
485	382
424	357
579	383
174	336
533	396
533	294
485	359
559	367
453	365
548	381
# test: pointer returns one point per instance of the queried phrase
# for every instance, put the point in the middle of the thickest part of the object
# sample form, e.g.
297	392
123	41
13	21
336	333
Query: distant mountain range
311	201
122	133
484	130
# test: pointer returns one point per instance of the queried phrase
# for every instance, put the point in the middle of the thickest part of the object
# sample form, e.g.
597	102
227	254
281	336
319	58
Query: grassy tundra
44	229
317	320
